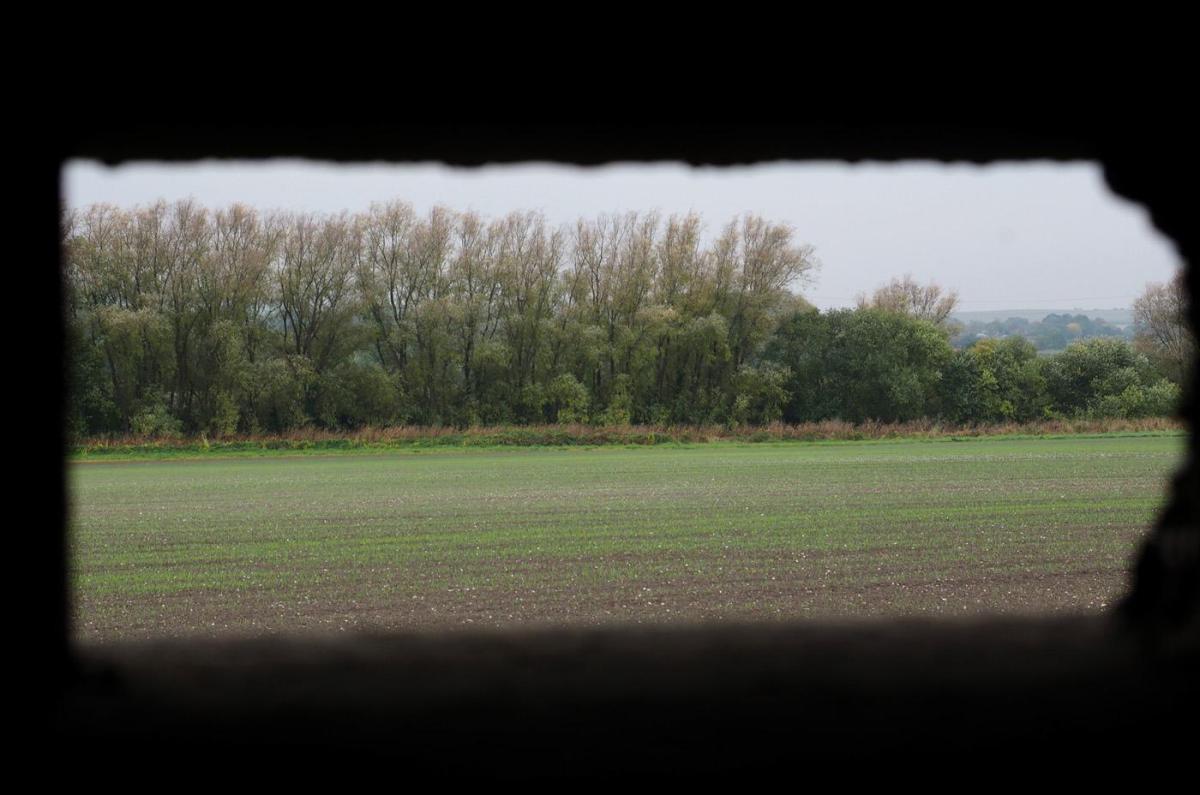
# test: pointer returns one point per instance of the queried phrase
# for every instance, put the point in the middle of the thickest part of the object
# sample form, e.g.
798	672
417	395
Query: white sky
1009	236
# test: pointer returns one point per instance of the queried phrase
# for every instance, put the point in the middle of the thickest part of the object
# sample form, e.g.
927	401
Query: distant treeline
1053	333
184	320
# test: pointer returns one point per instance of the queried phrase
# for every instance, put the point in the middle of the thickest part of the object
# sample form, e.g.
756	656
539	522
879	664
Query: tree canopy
187	320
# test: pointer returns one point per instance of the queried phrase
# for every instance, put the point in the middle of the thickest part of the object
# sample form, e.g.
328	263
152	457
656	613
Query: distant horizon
1047	311
1019	235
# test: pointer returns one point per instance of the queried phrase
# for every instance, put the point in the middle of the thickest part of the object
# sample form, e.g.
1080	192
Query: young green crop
586	536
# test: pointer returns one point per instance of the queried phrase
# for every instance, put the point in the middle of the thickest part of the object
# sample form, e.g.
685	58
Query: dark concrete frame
667	703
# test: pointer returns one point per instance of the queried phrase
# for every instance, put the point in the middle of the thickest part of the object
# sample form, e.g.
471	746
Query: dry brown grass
580	434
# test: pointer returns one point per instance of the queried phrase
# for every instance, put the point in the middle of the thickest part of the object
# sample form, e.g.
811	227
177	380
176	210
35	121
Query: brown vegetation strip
579	434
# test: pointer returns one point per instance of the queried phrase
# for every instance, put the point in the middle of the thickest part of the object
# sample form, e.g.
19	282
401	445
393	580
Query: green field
724	531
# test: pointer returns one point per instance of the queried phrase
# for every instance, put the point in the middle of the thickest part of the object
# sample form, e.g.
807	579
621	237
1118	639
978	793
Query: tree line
186	320
1054	332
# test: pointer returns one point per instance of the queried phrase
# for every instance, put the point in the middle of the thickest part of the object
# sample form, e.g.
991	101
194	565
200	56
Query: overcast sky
1017	236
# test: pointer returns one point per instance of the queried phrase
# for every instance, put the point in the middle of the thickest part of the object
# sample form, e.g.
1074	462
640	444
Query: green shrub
154	419
568	399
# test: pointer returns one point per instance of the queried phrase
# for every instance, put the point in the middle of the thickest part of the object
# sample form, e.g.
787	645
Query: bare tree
314	273
233	282
681	261
1160	317
905	295
755	263
529	265
475	285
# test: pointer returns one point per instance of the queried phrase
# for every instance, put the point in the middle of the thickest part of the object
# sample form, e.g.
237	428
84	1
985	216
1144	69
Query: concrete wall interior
1080	695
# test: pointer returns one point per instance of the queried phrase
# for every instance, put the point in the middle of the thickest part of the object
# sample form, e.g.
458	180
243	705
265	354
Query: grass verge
378	439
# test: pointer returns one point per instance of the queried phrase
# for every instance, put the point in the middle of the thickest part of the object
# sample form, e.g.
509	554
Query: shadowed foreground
737	701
